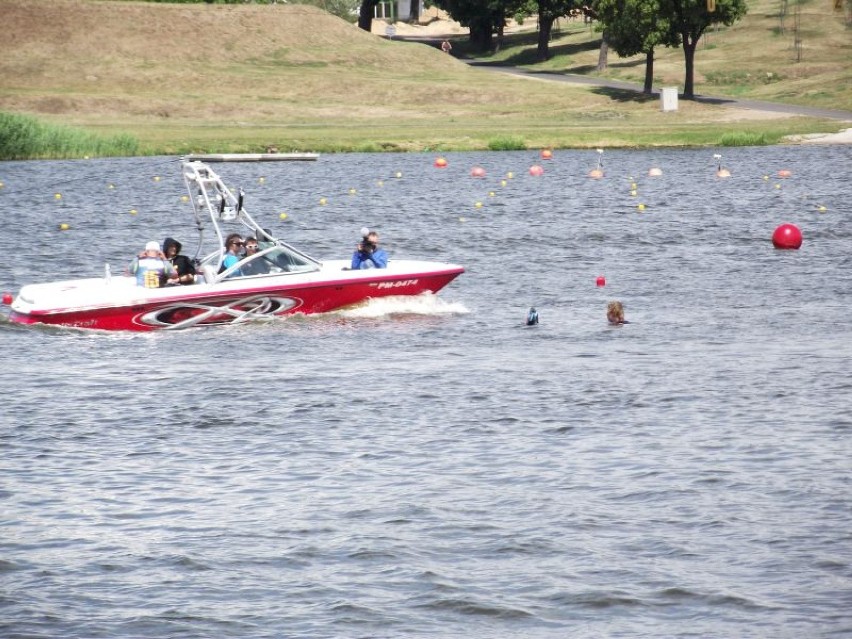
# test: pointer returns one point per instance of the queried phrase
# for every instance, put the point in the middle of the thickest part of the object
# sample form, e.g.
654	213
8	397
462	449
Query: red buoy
787	236
477	172
7	298
535	169
546	154
440	163
601	281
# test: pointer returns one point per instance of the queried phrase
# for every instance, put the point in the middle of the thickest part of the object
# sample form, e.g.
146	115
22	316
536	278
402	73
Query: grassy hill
204	77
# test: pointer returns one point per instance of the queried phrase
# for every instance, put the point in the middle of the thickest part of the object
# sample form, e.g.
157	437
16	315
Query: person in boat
260	266
615	313
151	268
367	253
183	265
233	245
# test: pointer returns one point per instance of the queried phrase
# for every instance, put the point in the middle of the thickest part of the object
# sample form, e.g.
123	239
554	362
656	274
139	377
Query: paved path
573	78
755	105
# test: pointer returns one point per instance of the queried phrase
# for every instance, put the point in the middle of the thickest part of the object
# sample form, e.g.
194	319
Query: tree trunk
365	14
414	12
649	72
545	28
481	34
604	52
689	59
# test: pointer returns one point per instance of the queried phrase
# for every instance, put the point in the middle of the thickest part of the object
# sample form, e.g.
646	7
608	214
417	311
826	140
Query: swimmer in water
532	317
615	313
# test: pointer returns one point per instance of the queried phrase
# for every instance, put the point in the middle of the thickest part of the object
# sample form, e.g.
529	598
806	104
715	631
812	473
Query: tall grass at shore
24	137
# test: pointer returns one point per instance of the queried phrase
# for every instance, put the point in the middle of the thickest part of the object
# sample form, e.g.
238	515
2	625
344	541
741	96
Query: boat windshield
274	259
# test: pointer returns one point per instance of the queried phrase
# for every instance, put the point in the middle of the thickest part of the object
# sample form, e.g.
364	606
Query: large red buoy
600	281
785	173
787	236
440	163
477	172
535	169
546	154
7	298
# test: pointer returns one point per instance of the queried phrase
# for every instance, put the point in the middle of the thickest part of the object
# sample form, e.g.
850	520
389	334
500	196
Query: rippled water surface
433	467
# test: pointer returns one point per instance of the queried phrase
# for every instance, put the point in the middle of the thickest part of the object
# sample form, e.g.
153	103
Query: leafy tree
482	17
636	26
549	11
690	18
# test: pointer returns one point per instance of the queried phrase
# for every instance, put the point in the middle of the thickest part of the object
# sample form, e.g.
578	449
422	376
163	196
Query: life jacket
150	272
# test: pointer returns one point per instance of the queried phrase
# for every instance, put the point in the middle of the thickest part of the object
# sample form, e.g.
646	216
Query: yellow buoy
399	174
765	177
64	227
821	209
502	182
478	205
633	192
462	219
283	216
777	186
1	185
323	201
133	211
57	196
261	179
510	175
156	178
641	207
352	191
490	193
633	185
184	198
380	183
110	186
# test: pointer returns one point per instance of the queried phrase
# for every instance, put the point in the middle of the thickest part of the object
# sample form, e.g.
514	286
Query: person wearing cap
367	253
183	265
151	267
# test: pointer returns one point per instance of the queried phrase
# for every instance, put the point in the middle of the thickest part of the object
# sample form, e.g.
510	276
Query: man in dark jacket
183	265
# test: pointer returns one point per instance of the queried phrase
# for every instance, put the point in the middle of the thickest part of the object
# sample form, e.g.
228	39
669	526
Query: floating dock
254	157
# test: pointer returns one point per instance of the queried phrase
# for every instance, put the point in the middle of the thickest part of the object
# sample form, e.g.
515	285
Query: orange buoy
440	163
546	154
596	174
477	172
535	169
785	173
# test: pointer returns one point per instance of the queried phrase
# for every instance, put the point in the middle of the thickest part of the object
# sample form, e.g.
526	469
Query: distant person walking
446	47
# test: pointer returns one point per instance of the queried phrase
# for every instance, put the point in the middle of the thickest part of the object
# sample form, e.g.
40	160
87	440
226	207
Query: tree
690	18
365	14
636	26
482	17
549	11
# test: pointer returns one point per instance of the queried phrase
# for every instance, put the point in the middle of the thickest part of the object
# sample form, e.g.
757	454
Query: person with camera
367	253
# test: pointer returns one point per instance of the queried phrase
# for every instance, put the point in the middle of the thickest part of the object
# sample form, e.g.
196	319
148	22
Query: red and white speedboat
295	283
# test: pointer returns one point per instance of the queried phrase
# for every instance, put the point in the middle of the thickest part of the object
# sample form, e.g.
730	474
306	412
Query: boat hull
95	304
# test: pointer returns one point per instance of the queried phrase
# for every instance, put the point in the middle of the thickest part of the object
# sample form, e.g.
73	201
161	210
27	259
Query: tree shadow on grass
625	95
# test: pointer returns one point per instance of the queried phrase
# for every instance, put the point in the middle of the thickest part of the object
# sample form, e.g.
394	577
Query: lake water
432	467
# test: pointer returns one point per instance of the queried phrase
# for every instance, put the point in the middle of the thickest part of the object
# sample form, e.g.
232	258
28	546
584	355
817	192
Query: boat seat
209	273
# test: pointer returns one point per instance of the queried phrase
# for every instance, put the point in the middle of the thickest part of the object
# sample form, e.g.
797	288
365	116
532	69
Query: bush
23	138
507	143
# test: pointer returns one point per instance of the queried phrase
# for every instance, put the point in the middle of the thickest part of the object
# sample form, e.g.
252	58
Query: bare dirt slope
66	56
